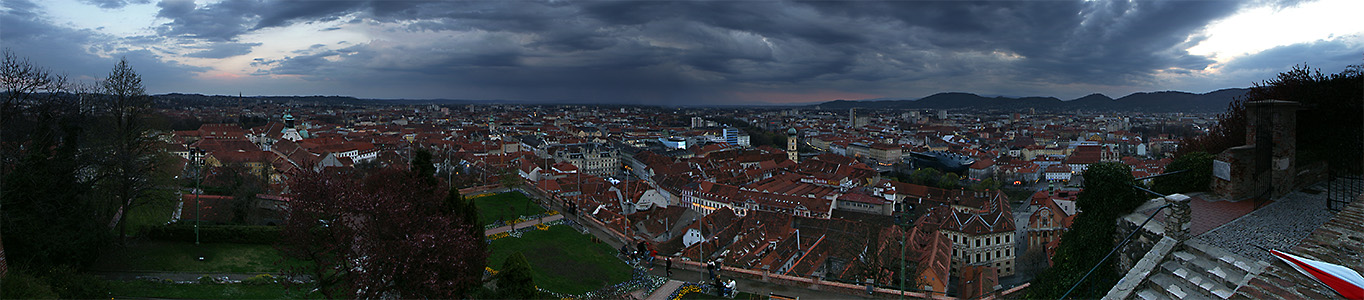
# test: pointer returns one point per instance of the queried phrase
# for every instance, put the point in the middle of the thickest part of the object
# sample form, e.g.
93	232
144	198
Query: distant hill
227	100
1168	101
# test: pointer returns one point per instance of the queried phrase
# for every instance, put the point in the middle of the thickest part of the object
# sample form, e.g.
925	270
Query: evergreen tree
1197	175
514	281
1108	194
950	181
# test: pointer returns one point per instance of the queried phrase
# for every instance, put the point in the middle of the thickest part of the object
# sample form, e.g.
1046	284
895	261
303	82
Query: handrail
1162	174
1115	249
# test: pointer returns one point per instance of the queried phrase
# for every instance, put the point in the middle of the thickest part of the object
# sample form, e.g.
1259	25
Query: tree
514	281
1108	194
509	178
1197	175
423	167
925	176
1033	261
50	222
1332	133
467	213
387	237
950	181
987	184
130	153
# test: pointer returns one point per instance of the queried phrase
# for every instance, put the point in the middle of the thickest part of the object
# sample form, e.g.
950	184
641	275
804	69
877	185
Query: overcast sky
684	53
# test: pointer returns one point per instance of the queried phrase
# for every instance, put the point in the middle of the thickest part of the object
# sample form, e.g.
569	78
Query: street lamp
198	155
903	244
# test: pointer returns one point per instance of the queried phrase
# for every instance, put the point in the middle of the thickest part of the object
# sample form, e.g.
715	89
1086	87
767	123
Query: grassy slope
505	206
152	289
180	257
563	260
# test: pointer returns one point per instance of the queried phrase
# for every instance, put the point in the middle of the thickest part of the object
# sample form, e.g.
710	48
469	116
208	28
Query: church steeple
288	120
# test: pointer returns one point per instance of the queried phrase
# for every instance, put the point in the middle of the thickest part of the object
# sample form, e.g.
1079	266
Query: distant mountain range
1168	101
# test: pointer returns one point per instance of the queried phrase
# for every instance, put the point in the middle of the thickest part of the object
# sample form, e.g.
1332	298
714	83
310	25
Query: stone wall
1233	177
1311	174
1141	270
1267	163
1175	225
1146	238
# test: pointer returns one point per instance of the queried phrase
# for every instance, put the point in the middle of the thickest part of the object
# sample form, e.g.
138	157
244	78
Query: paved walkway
664	291
174	276
1279	225
522	225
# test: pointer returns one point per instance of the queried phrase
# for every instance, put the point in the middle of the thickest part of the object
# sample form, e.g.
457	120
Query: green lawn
180	257
563	260
153	289
160	204
505	206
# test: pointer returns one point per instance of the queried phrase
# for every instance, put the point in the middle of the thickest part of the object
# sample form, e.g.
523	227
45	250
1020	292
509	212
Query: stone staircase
1200	271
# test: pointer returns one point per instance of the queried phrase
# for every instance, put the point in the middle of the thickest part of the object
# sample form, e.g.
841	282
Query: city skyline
695	53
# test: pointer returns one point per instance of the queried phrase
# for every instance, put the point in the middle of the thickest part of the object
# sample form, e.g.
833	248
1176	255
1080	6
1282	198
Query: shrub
1196	178
241	234
71	284
18	285
262	279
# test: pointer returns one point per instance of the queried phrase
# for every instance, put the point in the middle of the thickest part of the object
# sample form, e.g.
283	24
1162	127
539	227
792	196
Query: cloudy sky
684	53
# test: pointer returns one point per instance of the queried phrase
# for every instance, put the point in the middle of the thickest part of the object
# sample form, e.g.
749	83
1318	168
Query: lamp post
903	245
198	178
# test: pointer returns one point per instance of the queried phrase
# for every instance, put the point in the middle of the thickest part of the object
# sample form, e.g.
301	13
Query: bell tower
791	150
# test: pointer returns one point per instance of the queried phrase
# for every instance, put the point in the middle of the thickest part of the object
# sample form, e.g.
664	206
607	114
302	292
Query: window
977	243
1006	239
987	255
1006	252
996	239
977	256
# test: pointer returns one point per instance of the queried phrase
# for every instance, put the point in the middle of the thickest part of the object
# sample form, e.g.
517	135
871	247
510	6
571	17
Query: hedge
241	234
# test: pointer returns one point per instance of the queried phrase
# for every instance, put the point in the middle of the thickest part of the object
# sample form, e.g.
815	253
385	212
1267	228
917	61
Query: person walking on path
668	267
652	254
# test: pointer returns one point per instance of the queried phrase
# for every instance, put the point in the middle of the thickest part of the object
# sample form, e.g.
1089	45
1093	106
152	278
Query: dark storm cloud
694	51
72	51
222	21
228	19
791	46
1331	56
112	4
224	50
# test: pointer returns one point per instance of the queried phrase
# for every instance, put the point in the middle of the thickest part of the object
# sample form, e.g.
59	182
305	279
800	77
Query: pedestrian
668	267
652	254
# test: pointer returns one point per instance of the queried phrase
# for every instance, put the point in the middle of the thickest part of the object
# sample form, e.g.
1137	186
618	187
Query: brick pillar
1281	141
1177	217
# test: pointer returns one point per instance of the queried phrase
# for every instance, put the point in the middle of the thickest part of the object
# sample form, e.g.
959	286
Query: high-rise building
697	122
852	118
731	135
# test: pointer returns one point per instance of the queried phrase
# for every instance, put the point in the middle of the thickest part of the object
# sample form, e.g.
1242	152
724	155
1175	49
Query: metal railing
1129	236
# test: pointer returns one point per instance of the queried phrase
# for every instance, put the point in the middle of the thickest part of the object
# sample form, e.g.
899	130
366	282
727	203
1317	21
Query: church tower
290	132
791	149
